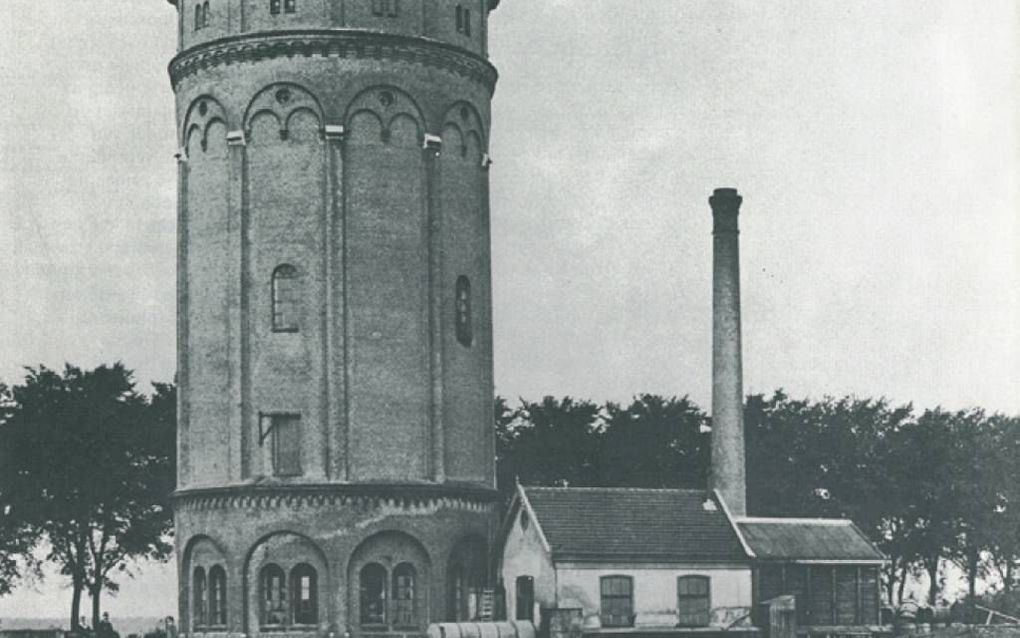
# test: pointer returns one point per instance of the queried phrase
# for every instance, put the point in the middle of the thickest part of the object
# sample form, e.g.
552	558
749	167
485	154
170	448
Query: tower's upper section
460	23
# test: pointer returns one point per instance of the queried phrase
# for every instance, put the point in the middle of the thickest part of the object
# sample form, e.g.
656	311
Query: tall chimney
727	471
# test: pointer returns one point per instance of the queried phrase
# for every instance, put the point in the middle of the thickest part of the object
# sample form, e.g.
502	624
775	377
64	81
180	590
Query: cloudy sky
876	145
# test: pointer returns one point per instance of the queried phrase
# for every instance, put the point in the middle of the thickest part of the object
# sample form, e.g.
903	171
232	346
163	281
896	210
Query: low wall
960	631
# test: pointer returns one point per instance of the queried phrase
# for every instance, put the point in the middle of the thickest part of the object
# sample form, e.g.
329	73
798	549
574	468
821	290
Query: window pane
693	602
286	444
373	594
199	596
286	298
465	330
274	596
403	595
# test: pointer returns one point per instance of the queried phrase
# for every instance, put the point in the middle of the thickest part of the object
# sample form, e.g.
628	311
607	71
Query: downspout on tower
727	474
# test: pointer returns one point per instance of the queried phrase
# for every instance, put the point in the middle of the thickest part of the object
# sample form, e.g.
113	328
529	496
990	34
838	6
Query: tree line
87	468
929	487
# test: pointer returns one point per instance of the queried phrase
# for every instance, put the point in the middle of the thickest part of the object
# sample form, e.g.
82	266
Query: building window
285	298
463	20
217	596
274	596
693	601
525	598
403	596
274	7
290	6
198	17
617	595
462	293
284	432
388	8
373	594
304	584
198	591
205	14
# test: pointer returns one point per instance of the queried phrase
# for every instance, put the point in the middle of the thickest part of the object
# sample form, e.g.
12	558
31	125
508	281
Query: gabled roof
637	525
808	540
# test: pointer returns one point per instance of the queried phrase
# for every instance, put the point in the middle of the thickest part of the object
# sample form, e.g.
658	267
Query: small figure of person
105	628
171	629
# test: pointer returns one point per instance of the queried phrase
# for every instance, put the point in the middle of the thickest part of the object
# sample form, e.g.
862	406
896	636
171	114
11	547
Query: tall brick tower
334	315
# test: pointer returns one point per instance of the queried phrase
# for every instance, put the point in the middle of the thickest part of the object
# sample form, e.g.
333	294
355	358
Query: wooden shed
828	565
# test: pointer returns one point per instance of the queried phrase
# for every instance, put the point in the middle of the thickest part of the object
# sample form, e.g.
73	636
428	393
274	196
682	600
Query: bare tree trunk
890	579
77	588
903	583
931	564
96	591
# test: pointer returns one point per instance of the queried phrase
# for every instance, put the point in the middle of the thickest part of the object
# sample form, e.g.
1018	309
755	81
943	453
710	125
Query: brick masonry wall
362	164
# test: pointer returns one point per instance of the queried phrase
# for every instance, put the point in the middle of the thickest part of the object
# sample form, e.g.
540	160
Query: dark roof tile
807	540
606	524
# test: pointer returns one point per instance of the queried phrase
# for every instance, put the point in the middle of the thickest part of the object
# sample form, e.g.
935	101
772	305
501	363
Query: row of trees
928	487
87	466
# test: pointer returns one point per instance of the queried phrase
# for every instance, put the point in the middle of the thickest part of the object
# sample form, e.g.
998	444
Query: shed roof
628	524
807	540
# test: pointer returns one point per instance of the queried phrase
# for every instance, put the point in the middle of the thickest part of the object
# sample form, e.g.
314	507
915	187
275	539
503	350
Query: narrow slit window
464	328
460	18
285	434
217	596
198	17
403	596
304	583
286	298
205	14
372	582
198	597
274	596
274	7
467	22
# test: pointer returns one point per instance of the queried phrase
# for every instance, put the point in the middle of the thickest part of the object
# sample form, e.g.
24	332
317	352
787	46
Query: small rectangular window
290	6
388	8
274	7
286	444
617	598
694	607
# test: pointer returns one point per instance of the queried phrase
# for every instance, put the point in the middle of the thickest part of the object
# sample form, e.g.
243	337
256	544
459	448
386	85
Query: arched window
285	298
274	7
693	601
198	592
403	596
217	596
373	594
525	598
617	598
198	16
205	14
304	587
462	292
274	595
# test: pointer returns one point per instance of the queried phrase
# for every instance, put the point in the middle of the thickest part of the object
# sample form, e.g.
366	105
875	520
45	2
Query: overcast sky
876	145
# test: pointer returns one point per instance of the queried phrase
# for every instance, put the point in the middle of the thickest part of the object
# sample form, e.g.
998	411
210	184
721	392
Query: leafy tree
90	468
655	442
552	442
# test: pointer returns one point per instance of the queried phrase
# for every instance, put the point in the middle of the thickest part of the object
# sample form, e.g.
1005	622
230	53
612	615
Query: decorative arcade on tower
336	461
